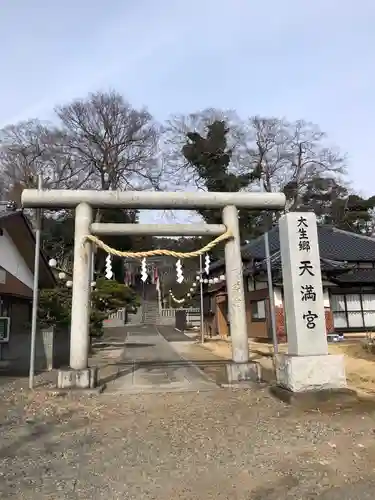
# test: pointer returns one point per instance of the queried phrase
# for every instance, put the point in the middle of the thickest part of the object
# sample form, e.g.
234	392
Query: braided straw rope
177	301
150	253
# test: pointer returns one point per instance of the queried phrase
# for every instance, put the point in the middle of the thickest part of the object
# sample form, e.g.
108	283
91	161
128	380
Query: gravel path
240	445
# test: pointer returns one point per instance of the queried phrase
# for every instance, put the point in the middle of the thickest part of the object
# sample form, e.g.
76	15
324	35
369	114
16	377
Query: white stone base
243	372
310	373
77	379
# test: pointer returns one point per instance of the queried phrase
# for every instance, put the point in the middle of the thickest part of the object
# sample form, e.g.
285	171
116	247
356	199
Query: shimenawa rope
150	253
177	301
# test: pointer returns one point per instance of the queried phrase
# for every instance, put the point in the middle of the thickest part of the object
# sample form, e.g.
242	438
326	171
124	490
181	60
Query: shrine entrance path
151	362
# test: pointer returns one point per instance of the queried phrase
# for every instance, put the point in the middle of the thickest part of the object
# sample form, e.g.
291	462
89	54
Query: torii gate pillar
240	369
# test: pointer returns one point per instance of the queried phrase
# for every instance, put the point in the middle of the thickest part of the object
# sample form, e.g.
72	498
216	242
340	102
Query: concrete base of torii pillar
78	379
241	373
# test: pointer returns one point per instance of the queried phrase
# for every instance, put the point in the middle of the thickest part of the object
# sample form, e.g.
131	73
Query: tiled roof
214	288
326	265
334	245
363	276
5	214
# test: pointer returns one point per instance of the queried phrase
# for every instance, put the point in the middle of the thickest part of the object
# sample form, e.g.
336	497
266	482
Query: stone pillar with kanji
307	365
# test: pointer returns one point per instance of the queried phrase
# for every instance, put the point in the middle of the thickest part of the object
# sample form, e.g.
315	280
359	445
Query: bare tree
289	155
115	144
31	148
100	142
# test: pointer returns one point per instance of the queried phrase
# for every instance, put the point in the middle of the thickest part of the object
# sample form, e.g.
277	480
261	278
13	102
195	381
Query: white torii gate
85	200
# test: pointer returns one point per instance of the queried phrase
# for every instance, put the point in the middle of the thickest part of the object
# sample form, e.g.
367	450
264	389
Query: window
256	285
354	310
5	306
258	310
365	265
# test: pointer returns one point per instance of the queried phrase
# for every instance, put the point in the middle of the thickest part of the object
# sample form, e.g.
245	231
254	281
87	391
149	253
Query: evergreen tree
211	158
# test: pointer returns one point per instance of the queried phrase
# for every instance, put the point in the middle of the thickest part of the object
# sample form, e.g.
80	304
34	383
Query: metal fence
171	312
167	317
119	314
193	318
180	317
116	319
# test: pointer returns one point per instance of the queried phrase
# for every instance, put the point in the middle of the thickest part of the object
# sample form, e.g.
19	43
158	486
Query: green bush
107	297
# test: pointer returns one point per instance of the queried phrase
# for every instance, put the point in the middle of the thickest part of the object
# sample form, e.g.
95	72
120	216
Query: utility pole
270	283
34	316
201	295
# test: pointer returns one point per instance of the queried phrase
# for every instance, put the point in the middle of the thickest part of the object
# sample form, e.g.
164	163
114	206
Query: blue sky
299	59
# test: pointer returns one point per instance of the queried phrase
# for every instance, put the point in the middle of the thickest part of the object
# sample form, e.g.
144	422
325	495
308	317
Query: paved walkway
152	364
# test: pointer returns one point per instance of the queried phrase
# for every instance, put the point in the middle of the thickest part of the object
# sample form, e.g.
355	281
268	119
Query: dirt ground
221	444
360	364
217	444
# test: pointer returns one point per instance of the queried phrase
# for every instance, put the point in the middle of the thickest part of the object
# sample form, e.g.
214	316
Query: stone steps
150	314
